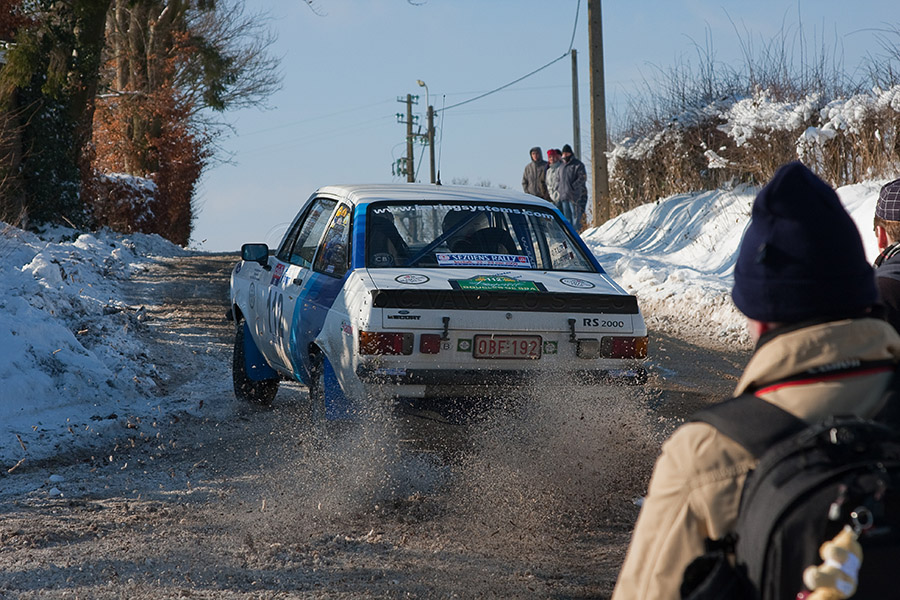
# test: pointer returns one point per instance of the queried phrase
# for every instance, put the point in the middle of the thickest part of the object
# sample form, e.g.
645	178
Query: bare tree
212	56
235	67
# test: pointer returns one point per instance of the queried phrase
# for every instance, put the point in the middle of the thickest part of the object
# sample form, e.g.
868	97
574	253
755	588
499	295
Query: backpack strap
890	412
757	425
750	421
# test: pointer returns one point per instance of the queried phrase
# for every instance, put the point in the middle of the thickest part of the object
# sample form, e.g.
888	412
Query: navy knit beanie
801	257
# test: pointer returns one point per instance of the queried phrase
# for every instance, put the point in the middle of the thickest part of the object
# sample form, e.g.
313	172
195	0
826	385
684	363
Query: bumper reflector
385	342
623	347
430	343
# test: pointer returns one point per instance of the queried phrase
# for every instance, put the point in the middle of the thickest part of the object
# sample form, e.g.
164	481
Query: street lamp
422	84
430	127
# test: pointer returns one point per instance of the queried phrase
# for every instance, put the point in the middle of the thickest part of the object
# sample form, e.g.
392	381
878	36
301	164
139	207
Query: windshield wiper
438	241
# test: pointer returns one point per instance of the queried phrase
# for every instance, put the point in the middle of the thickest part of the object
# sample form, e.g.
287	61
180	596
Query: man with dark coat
887	265
534	180
573	185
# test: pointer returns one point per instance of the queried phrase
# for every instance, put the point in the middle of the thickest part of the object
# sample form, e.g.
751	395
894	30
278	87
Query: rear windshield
477	235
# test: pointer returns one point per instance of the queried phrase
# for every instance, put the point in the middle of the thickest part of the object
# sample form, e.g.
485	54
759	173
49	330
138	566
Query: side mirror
258	253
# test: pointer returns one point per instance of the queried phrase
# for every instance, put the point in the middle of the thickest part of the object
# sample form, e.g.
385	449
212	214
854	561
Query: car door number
274	312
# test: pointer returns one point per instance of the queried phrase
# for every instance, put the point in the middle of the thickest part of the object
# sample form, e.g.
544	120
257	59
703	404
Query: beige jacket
696	484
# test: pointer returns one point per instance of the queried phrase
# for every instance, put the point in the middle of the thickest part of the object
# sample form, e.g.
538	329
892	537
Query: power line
502	87
281	126
488	111
330	134
574	27
538	70
523	88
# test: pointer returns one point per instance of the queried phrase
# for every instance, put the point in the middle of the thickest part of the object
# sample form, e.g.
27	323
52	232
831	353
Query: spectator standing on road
534	179
573	186
803	282
554	168
887	265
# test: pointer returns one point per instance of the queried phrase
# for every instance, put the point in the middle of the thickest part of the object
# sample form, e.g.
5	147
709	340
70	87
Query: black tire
317	386
245	388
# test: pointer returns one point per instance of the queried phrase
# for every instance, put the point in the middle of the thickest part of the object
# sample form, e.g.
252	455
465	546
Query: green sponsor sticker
496	282
551	347
464	345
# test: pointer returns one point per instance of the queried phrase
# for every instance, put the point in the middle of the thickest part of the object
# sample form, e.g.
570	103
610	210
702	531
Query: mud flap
337	406
255	364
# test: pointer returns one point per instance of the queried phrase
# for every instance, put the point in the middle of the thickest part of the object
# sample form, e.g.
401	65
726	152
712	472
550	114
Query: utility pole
430	133
406	165
431	140
576	116
599	172
410	169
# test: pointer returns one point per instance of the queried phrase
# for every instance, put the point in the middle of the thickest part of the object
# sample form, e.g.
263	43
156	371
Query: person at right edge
802	280
887	265
573	186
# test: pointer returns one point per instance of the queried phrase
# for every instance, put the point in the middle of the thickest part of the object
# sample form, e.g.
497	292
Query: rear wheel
245	387
316	387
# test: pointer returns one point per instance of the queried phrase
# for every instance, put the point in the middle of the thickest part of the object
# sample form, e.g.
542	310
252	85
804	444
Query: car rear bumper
458	378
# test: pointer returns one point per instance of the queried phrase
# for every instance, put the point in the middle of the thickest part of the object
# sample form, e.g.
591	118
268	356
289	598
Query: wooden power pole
431	140
599	172
410	172
576	113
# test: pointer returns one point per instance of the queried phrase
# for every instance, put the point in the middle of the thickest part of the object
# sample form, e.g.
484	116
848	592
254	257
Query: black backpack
809	483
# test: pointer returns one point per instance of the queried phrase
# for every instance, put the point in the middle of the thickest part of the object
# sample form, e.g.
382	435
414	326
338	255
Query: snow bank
677	255
69	356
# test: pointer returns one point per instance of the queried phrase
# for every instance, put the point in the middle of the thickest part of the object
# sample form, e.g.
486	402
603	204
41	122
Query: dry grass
679	139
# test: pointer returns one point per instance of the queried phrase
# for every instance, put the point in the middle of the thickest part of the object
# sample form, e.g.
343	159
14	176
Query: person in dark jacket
887	265
573	185
534	180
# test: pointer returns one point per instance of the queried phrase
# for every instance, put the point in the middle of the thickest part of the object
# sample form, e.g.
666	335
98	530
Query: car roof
364	193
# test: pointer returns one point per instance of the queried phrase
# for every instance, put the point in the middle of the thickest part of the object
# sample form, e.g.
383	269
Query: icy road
534	497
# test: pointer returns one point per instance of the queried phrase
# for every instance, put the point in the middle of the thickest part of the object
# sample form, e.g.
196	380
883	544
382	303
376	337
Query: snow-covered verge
677	255
70	360
73	367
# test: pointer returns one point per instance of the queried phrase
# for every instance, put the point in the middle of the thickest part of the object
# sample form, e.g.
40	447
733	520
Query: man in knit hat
573	186
887	265
802	280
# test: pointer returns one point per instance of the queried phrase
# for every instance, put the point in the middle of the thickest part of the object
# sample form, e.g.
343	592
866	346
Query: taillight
623	347
429	343
385	342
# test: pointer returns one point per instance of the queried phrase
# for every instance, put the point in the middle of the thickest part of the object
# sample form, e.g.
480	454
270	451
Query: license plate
507	346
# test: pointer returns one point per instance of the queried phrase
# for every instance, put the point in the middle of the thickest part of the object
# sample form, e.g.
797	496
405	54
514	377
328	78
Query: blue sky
334	119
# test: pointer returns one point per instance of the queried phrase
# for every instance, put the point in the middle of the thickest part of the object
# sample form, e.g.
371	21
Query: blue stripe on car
312	308
358	243
316	299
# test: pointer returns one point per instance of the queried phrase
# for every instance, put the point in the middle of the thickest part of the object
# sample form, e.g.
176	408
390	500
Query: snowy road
224	500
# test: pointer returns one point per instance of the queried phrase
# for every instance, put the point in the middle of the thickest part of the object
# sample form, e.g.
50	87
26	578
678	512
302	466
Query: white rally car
427	291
